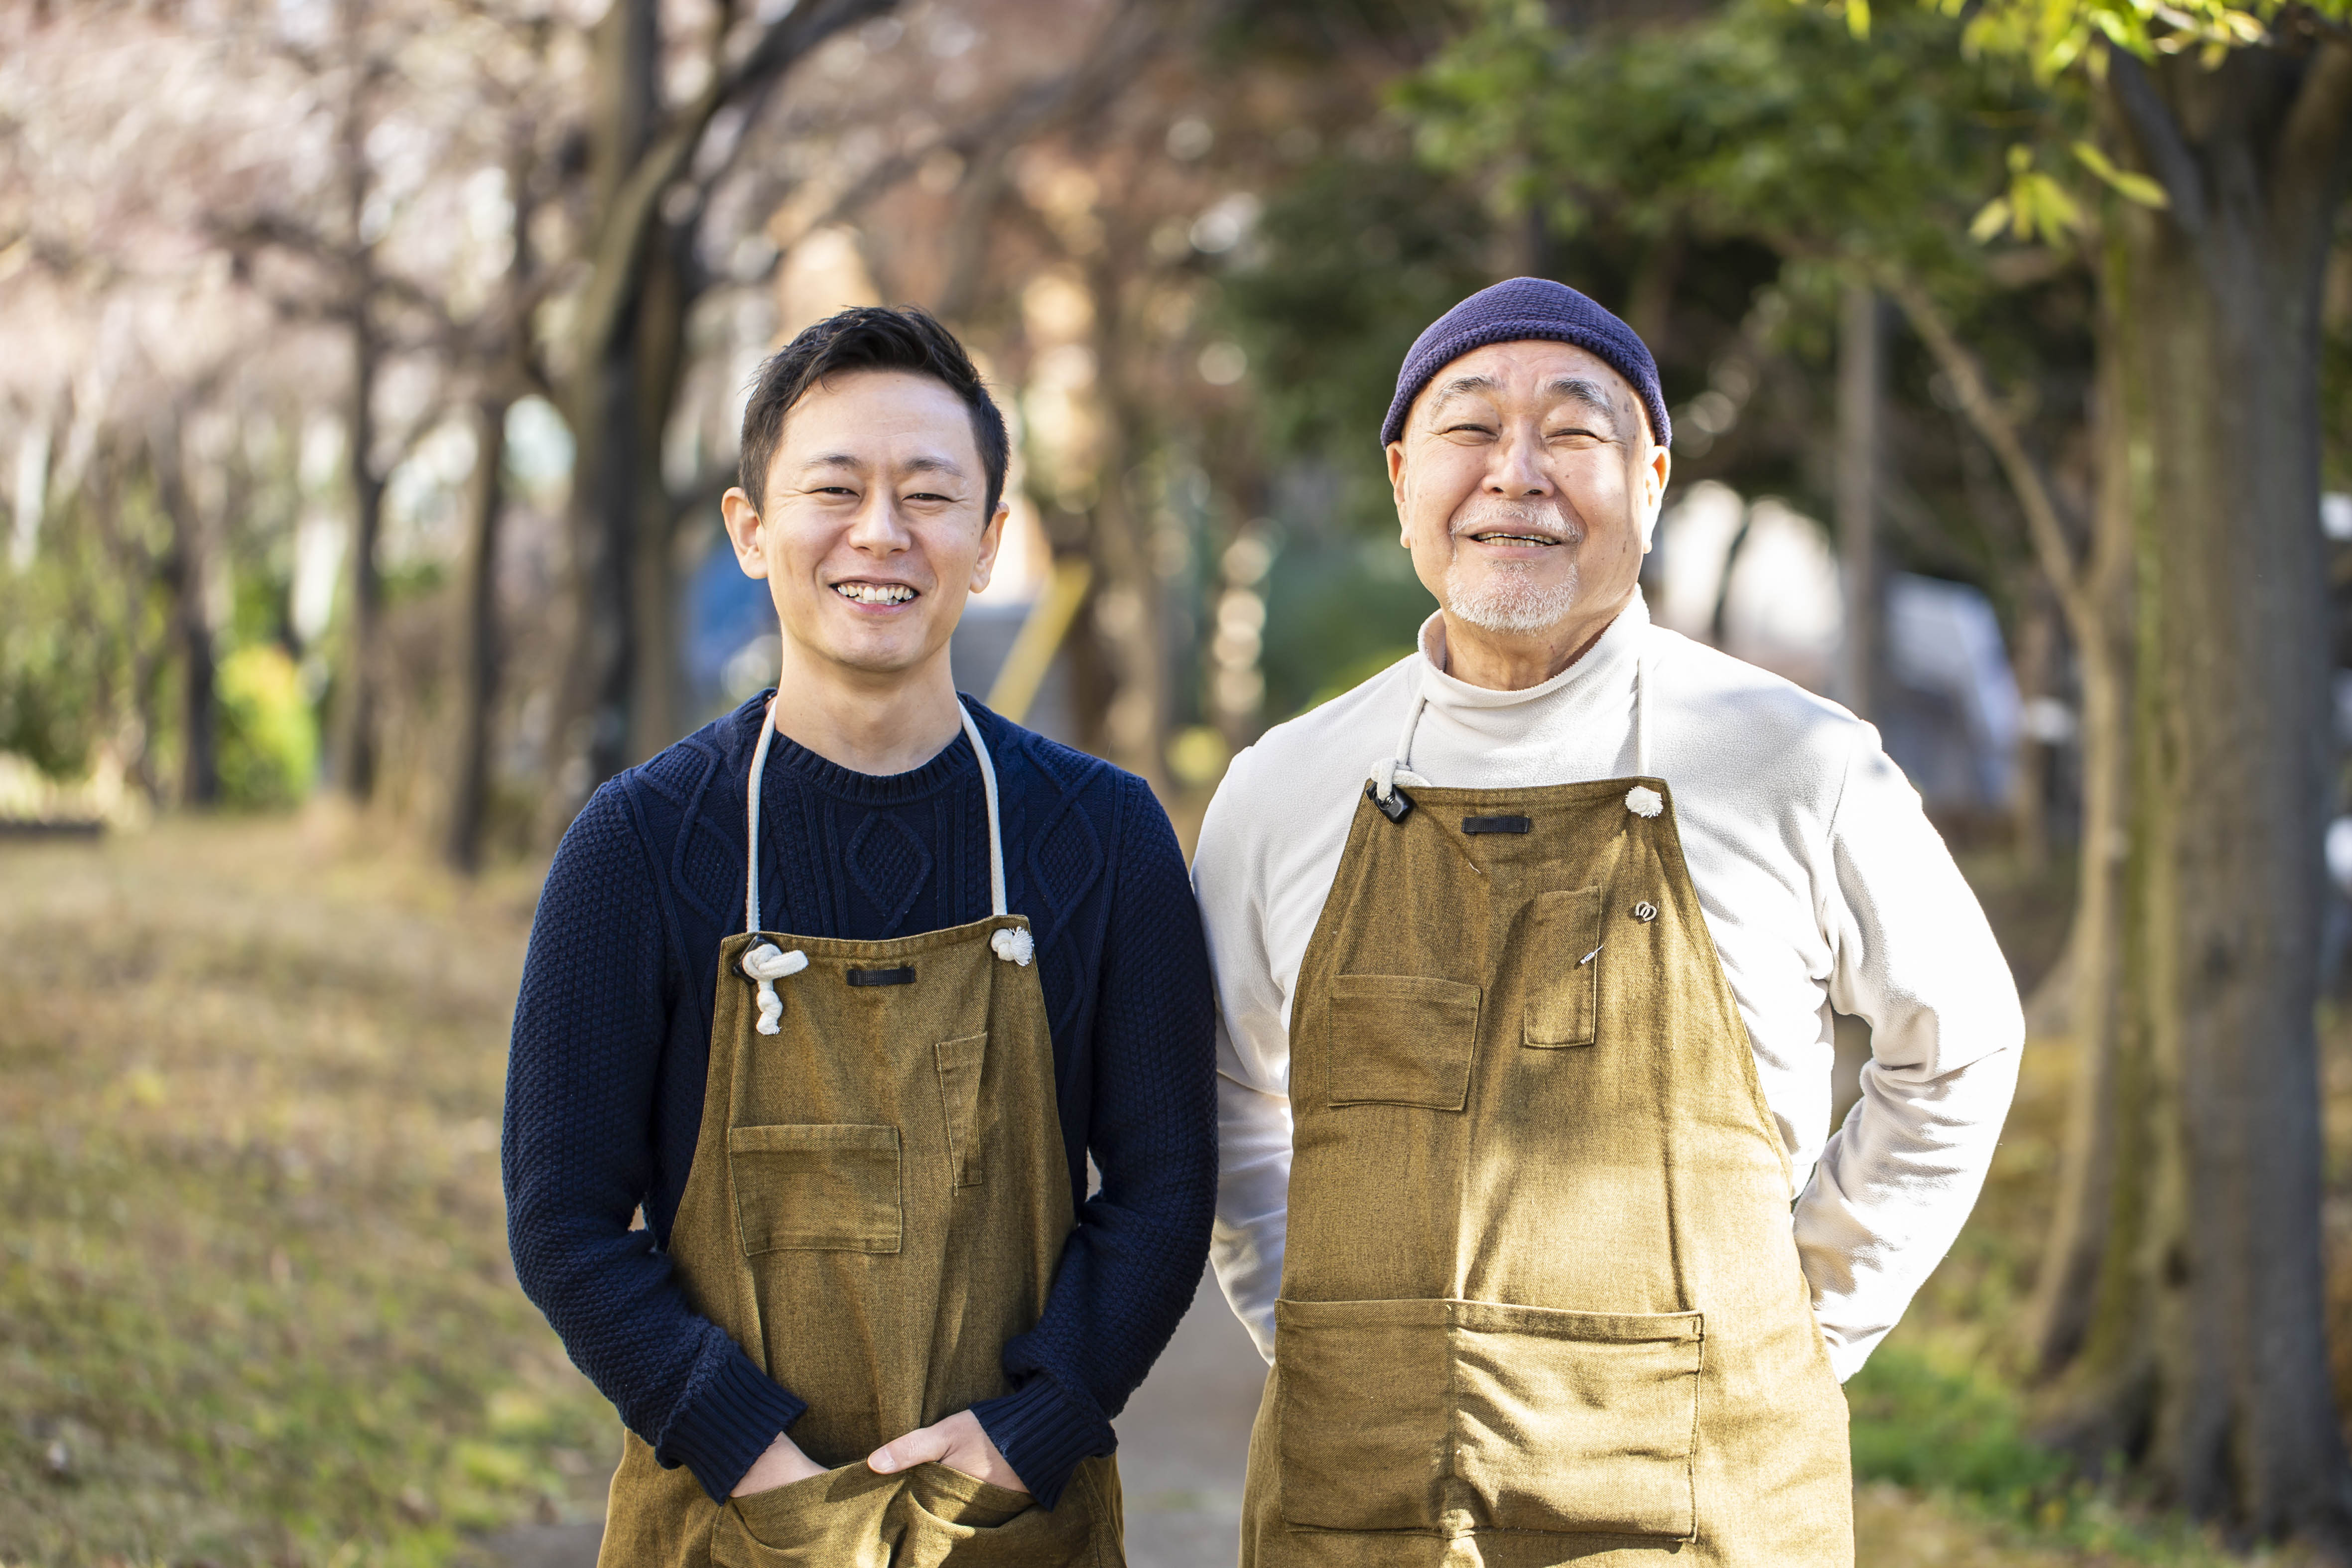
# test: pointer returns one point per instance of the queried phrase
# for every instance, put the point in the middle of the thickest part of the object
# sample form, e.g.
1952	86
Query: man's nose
878	527
1516	471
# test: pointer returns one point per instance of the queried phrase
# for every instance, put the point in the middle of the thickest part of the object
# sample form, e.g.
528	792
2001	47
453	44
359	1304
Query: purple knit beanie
1529	307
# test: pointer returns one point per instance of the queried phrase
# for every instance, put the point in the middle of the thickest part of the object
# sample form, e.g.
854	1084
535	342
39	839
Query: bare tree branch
617	251
2045	516
2158	136
2311	146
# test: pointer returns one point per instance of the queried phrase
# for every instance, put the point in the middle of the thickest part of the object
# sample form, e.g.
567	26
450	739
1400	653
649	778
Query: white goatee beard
1506	597
1507	600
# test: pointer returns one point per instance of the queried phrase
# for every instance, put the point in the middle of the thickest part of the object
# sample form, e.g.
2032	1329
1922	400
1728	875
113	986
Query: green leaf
2131	187
1990	220
2055	213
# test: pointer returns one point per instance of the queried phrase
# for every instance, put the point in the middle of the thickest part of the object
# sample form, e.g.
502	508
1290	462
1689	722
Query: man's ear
1658	464
743	532
991	539
1396	491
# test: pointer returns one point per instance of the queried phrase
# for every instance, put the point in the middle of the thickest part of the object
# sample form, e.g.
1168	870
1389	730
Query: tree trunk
1129	615
351	758
1862	392
655	709
2207	1347
192	627
478	639
601	402
2099	620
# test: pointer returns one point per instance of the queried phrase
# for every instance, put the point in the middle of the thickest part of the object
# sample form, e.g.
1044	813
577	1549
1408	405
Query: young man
840	993
1525	953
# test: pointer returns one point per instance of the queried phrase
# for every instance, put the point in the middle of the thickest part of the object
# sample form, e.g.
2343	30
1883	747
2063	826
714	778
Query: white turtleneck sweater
1824	887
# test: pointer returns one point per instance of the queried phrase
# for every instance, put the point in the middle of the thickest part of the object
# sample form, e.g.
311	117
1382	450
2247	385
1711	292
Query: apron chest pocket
822	1188
1564	956
1394	1413
1402	1039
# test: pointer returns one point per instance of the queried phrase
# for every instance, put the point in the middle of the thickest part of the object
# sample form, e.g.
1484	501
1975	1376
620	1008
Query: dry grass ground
255	1303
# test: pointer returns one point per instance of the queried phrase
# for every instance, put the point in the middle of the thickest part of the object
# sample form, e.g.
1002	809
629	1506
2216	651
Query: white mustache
1519	517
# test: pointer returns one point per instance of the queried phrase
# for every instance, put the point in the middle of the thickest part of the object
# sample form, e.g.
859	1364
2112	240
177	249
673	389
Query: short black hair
868	337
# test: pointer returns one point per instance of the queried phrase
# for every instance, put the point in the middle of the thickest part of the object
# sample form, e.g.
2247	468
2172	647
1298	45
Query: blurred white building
1761	582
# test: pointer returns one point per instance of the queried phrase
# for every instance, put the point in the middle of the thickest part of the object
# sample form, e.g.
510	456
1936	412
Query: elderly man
1526	951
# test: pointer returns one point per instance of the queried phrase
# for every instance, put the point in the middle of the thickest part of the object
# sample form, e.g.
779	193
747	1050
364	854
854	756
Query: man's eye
927	496
1467	431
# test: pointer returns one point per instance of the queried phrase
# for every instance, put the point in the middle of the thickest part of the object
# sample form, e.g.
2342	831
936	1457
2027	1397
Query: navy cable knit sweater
612	1037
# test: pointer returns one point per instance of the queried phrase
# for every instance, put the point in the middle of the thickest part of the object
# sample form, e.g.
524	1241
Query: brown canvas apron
878	1203
1541	1303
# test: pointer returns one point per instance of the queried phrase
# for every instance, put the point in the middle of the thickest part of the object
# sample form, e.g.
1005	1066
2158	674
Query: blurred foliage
1766	120
269	735
83	627
2054	36
1354	257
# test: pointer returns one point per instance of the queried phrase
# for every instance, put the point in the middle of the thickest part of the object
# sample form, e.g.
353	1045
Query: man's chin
899	653
1509	608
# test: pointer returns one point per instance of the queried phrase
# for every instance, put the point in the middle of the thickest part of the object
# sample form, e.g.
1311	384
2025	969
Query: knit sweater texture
612	1040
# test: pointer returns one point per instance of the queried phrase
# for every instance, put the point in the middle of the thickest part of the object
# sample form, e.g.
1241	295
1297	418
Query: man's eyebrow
932	464
1461	386
831	460
1591	393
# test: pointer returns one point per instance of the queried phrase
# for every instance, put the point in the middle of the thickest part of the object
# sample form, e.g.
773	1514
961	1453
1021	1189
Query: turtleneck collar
1609	661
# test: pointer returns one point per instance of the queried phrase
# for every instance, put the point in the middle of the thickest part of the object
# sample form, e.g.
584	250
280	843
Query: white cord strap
1642	800
1392	769
1012	943
765	962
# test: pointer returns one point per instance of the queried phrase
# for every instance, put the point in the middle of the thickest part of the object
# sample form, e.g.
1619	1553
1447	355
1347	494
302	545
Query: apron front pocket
823	1188
1576	1422
1563	948
1402	1039
1362	1412
1393	1414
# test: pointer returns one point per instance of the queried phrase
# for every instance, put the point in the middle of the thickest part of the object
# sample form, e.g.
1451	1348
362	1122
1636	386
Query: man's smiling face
1527	487
871	532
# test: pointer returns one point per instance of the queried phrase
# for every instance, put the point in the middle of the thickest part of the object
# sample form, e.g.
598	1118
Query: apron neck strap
1641	712
1388	770
988	787
752	816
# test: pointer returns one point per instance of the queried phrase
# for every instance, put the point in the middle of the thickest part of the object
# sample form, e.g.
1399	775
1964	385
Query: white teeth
874	594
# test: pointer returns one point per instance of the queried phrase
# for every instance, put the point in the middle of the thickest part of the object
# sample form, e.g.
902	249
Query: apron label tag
1496	825
903	975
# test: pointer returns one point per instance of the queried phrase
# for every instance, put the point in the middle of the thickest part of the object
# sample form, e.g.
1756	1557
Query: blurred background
370	371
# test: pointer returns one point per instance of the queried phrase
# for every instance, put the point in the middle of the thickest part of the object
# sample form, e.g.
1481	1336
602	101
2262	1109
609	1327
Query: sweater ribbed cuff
1043	1433
724	1428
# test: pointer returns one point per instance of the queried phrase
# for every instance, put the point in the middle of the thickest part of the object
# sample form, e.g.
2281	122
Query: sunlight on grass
258	1302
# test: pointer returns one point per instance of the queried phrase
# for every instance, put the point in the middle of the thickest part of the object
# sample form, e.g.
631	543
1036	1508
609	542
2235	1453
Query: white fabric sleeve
1253	1062
1915	958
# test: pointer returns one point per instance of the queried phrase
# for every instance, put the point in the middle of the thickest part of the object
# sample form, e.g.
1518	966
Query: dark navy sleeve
589	1030
1134	1261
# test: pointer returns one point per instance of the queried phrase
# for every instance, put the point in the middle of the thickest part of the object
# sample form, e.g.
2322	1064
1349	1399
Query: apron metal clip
1395	806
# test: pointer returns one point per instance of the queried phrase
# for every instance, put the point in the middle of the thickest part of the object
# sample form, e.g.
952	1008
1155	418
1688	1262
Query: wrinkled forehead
1527	378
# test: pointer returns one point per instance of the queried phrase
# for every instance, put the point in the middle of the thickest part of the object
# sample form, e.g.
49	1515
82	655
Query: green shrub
269	735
